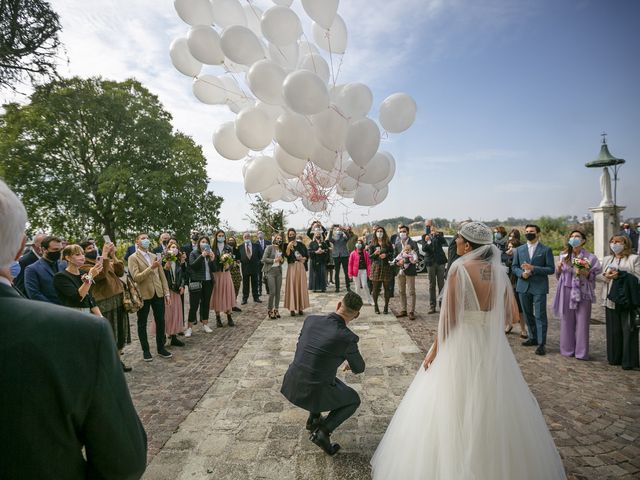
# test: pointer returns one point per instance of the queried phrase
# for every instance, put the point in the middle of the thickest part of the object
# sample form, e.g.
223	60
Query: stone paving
215	411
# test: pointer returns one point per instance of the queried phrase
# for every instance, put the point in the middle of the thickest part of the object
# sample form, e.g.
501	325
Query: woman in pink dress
223	298
175	272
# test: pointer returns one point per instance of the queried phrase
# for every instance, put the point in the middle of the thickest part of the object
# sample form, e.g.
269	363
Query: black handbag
195	286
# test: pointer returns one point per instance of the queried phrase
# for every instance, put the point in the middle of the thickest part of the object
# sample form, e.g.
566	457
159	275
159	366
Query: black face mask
194	238
92	255
53	256
164	242
277	242
530	236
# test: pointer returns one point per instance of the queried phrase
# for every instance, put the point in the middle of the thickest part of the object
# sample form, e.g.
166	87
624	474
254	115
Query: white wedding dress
471	415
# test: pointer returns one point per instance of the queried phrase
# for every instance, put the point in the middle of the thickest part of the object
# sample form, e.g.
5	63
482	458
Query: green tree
264	217
29	43
97	156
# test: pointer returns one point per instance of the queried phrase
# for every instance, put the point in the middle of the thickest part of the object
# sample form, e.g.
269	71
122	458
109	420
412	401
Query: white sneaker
206	328
188	332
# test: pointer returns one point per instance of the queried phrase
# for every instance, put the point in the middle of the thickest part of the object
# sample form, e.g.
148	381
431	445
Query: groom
310	383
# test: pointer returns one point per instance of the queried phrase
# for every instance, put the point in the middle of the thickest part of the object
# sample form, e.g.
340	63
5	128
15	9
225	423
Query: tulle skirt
224	295
469	416
173	316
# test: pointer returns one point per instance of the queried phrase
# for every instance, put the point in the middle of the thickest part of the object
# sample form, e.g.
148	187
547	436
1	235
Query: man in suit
310	383
146	271
163	241
263	246
433	244
338	238
532	265
630	233
250	262
38	277
193	244
32	256
65	391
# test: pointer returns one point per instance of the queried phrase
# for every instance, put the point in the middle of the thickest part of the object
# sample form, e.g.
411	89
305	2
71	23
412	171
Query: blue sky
512	97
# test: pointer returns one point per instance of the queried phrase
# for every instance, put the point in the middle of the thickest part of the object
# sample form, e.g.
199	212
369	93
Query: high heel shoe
375	308
271	314
508	330
277	314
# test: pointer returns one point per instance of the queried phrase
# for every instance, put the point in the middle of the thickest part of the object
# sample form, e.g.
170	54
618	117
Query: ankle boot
230	320
386	307
218	321
375	306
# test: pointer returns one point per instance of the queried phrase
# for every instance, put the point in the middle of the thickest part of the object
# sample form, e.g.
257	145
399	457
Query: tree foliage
29	43
97	156
265	218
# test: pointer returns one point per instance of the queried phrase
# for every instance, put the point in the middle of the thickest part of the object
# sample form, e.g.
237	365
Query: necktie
248	251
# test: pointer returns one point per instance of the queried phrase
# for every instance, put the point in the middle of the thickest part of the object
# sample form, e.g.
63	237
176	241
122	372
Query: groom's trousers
339	415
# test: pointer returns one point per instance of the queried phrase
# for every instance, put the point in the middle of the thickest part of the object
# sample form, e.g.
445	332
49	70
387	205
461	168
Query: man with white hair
67	412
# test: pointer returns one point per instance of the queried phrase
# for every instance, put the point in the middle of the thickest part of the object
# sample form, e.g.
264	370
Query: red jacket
354	260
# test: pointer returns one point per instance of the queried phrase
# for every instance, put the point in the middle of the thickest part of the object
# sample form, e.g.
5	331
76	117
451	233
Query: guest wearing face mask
407	271
163	242
38	277
236	274
532	264
338	239
223	298
263	243
201	268
193	244
272	261
631	234
296	292
174	271
318	257
315	226
620	267
359	270
108	292
250	257
574	295
500	240
435	260
381	252
72	285
146	271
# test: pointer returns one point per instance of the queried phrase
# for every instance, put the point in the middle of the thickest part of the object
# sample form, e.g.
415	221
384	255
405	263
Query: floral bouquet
226	260
169	256
580	264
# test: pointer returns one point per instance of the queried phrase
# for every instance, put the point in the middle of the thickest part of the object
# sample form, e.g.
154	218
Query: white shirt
5	281
207	273
532	249
147	256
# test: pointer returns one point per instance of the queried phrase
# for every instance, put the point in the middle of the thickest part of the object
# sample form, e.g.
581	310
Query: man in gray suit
310	383
532	264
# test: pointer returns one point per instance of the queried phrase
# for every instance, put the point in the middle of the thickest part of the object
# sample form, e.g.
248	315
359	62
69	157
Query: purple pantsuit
572	305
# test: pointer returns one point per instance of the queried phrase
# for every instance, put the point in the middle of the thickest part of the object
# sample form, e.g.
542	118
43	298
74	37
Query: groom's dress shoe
530	343
323	440
541	350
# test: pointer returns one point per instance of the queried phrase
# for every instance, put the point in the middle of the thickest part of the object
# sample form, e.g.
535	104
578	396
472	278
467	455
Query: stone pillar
606	222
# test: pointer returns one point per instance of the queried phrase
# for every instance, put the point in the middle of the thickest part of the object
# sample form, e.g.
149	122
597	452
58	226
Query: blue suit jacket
543	266
38	281
131	249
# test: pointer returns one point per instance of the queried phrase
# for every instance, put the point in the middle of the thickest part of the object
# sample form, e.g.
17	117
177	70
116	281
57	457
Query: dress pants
407	284
341	262
250	278
622	342
274	282
534	307
339	415
436	274
157	305
200	298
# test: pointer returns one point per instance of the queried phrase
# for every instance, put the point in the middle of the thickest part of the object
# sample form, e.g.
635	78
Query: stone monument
606	216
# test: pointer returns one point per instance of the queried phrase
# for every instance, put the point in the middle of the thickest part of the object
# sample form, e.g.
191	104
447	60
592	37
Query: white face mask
379	234
403	235
616	247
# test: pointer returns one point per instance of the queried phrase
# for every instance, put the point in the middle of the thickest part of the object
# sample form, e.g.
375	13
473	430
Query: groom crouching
310	383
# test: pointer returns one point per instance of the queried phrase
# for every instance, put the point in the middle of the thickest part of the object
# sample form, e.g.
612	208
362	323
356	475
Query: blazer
24	261
354	263
150	282
268	259
324	344
38	281
432	246
175	280
543	266
253	264
197	268
67	391
263	245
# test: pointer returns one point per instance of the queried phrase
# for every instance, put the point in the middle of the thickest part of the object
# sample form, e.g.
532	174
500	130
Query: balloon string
328	37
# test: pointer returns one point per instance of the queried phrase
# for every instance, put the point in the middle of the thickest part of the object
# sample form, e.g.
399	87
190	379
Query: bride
469	414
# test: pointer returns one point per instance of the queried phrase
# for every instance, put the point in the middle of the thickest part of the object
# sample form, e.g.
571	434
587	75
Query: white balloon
397	112
286	57
254	15
323	158
239	104
335	91
316	64
288	196
274	111
354	100
273	193
285	175
330	128
319	206
254	128
227	144
295	134
380	195
194	12
288	163
241	45
377	169
363	140
392	171
355	171
348	184
331	40
182	59
227	13
326	179
204	45
305	92
209	89
234	67
265	80
322	12
365	195
281	26
284	3
307	48
261	173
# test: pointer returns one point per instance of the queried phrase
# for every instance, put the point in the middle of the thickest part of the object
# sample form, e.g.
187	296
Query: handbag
194	286
132	300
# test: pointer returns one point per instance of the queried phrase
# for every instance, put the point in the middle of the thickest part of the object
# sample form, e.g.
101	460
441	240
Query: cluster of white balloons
313	137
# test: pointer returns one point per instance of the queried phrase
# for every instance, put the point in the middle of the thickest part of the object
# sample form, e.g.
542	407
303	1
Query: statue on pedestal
605	188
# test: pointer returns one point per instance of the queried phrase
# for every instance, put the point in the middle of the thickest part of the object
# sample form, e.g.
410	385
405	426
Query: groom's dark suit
310	382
